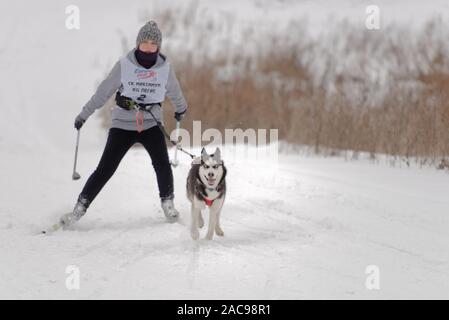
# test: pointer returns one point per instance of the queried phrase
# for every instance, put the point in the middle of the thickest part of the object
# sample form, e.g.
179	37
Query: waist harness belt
129	104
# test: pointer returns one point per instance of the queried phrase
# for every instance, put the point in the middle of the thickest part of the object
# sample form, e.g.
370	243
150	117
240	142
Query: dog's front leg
200	220
212	222
218	229
218	206
194	222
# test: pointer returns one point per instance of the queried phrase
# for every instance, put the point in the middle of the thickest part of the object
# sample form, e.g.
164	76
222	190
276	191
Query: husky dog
206	186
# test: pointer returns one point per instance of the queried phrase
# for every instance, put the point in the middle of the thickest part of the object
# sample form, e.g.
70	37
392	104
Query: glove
180	115
79	122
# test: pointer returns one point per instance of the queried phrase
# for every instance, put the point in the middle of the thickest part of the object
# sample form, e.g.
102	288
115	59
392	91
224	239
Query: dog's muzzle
211	181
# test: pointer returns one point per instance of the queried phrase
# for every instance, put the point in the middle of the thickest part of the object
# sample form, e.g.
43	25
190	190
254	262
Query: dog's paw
195	234
219	231
209	236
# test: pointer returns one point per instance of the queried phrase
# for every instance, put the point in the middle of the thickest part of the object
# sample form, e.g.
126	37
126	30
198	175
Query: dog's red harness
208	201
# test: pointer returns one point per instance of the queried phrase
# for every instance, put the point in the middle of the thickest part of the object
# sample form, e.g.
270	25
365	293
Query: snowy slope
306	228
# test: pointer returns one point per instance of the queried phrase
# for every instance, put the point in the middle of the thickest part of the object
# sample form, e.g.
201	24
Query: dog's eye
206	166
215	166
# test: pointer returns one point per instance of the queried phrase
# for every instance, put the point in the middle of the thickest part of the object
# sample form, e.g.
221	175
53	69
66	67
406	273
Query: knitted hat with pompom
150	31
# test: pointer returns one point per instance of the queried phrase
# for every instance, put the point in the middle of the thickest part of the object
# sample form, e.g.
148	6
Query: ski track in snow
305	228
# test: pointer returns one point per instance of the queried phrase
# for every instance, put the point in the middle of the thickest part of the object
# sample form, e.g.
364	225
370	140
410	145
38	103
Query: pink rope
139	121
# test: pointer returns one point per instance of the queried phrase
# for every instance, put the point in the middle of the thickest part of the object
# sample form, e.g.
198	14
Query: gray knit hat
150	31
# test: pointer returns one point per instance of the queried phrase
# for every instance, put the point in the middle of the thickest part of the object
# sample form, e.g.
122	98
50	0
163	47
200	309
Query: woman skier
141	80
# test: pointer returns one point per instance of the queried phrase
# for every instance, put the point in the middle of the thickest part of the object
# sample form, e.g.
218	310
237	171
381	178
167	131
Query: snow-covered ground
307	227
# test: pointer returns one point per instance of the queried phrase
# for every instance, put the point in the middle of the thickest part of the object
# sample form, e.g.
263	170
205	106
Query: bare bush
367	91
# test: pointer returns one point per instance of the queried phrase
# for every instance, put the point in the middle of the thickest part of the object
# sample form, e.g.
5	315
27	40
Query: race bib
144	85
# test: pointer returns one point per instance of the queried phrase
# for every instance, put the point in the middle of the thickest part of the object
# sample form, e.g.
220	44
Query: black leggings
118	143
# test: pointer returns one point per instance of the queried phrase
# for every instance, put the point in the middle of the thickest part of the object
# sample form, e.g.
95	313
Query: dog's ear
225	171
204	155
217	155
221	183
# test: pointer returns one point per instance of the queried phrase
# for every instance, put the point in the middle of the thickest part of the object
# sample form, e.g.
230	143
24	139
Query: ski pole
76	175
175	160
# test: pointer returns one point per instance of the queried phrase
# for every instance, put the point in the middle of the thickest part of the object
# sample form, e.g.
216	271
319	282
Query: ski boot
80	209
170	212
